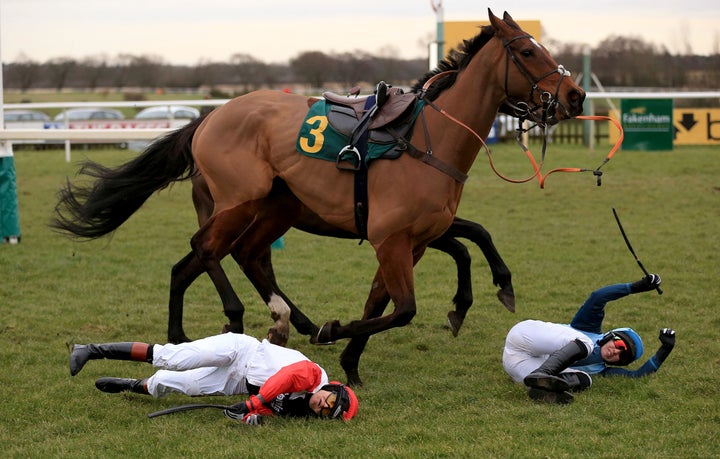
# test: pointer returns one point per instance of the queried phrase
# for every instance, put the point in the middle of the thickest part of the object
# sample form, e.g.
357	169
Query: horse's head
536	87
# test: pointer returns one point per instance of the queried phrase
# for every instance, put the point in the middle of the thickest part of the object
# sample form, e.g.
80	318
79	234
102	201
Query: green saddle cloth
318	138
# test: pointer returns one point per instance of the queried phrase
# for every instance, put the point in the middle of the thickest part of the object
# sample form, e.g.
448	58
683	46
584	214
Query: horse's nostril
577	97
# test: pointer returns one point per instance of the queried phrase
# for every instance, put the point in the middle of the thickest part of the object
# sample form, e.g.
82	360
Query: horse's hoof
353	379
230	328
455	321
506	295
277	338
324	336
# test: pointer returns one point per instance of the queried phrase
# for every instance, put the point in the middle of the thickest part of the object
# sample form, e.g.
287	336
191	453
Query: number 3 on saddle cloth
353	131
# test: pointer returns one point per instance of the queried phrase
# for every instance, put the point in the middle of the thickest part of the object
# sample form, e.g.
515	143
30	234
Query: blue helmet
631	339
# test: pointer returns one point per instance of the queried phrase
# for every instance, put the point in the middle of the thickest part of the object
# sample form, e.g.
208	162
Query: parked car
90	114
163	112
91	118
26	119
25	116
160	117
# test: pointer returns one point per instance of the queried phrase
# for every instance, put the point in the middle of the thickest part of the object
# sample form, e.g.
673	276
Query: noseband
548	102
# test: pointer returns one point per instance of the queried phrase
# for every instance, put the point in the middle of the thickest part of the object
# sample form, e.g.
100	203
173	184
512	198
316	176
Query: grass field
426	394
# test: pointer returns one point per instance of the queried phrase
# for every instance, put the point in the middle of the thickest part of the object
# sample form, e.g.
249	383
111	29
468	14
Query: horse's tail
92	210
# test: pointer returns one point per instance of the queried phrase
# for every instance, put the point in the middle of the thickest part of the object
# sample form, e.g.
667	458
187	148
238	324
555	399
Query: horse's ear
510	21
494	20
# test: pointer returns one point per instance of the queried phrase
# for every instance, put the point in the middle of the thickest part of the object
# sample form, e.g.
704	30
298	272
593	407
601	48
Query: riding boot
115	385
547	375
577	380
141	352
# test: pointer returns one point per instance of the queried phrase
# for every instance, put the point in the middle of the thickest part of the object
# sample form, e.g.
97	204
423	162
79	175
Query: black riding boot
141	352
115	385
577	380
547	375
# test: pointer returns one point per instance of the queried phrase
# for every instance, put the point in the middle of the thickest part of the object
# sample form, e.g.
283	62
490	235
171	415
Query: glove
254	420
667	337
667	340
237	411
647	283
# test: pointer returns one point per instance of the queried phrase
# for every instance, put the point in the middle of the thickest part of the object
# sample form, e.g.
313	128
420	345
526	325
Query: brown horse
246	152
311	223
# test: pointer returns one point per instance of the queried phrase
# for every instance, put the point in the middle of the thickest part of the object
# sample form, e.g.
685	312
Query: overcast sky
191	31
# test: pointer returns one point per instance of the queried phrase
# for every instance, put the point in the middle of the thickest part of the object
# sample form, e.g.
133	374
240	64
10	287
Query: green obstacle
9	219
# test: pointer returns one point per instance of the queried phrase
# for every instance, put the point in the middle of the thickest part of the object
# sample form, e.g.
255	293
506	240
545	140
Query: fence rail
68	135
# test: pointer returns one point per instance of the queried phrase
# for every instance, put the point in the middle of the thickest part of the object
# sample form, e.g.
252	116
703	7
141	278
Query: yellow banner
456	31
693	126
697	126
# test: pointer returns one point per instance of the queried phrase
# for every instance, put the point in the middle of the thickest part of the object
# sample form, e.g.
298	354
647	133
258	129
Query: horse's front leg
374	307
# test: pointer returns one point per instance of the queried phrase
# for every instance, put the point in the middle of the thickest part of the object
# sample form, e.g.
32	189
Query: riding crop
627	242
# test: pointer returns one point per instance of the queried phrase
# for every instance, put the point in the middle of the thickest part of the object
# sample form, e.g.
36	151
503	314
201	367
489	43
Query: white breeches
530	342
210	366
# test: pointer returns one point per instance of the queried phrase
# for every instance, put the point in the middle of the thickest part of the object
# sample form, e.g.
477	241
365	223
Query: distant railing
133	133
129	130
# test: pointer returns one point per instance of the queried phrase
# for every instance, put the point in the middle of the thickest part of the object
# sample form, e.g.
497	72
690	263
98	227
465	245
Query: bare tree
23	73
313	67
353	68
145	70
58	70
249	71
627	61
94	68
203	74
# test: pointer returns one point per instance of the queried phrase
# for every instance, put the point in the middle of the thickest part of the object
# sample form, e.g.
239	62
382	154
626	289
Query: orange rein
536	168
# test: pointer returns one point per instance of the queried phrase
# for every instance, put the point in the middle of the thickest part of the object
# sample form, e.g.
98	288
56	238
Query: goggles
337	403
330	401
621	345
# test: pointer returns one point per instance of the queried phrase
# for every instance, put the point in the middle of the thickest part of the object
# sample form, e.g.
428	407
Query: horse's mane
456	60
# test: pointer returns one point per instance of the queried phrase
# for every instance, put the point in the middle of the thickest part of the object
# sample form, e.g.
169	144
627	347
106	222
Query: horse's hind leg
211	244
463	298
259	271
501	273
182	275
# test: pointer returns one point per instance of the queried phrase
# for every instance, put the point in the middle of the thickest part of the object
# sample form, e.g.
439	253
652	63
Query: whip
629	246
192	406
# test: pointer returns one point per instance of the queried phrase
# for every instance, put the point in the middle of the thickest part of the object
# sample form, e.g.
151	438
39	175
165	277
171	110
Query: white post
440	29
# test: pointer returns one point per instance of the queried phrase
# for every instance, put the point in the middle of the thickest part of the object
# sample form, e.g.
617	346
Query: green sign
647	123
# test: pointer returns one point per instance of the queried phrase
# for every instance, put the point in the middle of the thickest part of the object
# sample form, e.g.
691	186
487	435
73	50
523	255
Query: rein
541	178
548	101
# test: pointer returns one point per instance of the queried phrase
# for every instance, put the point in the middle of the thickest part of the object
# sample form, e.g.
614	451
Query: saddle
393	105
359	130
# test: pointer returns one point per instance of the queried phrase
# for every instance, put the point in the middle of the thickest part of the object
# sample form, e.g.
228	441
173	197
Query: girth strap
361	191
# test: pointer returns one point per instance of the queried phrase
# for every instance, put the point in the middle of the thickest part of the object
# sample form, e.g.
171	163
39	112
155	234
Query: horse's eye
526	53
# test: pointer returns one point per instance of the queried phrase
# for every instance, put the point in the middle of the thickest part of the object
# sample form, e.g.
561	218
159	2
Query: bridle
523	111
548	102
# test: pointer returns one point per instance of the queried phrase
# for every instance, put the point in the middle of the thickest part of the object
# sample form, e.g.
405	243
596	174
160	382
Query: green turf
426	393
